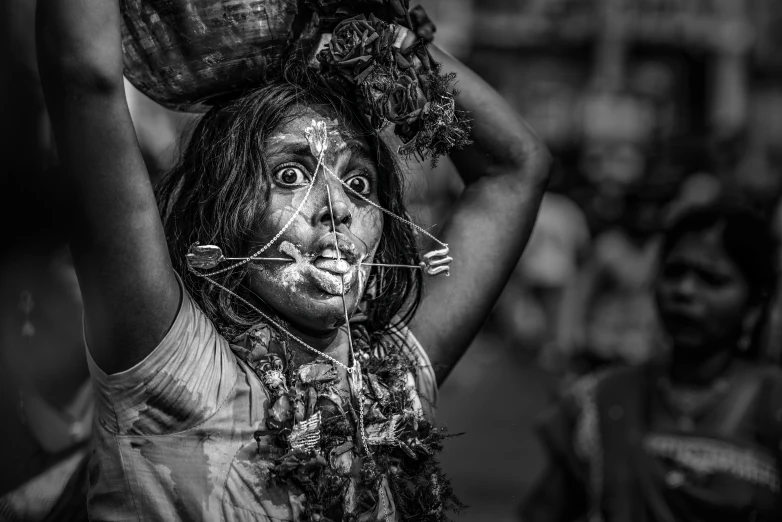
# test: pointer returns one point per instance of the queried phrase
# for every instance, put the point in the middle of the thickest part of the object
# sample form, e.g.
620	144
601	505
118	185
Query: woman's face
701	294
333	233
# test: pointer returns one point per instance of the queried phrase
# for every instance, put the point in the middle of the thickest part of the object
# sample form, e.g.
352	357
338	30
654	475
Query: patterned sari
618	455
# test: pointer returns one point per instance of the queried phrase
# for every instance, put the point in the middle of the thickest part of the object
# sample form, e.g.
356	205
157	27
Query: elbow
531	162
68	61
80	74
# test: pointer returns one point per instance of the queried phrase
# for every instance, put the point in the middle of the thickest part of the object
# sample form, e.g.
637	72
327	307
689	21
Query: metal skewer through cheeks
203	259
207	257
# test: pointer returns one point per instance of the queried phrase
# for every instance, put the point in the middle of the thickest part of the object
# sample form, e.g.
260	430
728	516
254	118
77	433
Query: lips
333	270
336	266
339	247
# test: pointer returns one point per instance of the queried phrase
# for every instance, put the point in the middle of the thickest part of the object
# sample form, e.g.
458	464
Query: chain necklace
434	262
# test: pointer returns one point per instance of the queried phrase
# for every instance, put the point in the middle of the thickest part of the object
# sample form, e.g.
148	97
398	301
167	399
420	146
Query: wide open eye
360	184
291	175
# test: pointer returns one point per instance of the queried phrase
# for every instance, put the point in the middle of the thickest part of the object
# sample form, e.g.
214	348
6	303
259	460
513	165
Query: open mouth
333	261
332	271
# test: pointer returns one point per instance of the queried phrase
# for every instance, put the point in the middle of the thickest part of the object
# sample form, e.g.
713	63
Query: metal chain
403	220
278	325
276	236
358	385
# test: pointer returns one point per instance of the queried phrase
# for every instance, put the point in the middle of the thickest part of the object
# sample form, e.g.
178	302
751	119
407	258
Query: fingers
437	262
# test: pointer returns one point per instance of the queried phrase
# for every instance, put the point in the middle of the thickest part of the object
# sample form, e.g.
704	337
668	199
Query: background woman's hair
218	194
749	242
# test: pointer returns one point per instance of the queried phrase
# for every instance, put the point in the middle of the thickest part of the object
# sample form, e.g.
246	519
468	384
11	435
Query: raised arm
505	171
130	291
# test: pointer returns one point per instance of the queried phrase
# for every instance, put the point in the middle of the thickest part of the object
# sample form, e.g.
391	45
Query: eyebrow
279	146
302	147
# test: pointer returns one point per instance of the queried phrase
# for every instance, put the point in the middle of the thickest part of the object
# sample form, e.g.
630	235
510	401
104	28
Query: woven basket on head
185	54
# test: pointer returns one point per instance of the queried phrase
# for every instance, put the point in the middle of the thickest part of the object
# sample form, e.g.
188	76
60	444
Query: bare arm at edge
129	288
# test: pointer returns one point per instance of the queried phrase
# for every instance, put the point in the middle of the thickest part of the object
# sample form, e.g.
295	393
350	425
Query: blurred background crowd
649	107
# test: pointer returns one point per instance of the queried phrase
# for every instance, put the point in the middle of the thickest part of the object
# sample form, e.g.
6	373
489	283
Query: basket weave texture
184	53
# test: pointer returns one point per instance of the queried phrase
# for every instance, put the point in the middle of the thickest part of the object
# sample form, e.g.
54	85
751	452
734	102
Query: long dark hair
748	240
218	194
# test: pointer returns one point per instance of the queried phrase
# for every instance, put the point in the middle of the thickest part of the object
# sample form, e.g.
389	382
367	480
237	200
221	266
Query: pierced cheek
281	279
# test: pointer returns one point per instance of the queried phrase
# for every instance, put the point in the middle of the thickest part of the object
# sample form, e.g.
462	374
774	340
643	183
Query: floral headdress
360	53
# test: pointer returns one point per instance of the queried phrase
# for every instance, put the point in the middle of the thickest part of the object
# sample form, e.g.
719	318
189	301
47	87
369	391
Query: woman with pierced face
262	340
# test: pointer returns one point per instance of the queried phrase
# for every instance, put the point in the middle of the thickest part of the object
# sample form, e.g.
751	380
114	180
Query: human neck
689	370
311	343
305	346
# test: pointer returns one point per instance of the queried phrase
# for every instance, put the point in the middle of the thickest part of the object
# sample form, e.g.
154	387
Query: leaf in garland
378	391
424	428
316	371
385	509
412	395
312	399
372	411
341	458
281	410
350	500
297	503
299	410
330	404
253	344
385	433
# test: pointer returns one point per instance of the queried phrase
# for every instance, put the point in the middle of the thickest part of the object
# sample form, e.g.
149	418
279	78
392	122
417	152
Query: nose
336	206
685	288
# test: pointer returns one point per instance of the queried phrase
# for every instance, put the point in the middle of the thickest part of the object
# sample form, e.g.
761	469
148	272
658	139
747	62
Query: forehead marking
322	140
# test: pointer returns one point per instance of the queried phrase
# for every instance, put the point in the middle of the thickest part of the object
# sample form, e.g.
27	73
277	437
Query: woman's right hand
130	292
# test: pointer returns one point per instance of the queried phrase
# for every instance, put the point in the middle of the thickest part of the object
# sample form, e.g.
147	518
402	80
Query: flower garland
315	421
403	87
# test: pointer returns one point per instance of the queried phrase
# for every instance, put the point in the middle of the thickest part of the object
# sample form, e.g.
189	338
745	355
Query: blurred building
628	81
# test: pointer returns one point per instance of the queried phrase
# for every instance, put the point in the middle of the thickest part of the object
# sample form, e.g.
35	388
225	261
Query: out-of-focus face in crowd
703	297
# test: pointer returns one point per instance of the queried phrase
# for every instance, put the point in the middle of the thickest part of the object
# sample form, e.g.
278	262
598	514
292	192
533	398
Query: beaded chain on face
201	257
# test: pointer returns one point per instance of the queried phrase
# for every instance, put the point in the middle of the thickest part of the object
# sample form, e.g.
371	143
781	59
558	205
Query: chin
311	299
319	317
689	345
316	311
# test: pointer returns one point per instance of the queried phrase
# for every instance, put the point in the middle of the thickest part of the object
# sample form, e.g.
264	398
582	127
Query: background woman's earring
26	306
745	340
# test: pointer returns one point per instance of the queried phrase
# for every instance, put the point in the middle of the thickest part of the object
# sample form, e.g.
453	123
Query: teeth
329	253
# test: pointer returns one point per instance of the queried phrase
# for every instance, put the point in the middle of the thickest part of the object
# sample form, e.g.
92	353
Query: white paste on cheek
292	274
289	276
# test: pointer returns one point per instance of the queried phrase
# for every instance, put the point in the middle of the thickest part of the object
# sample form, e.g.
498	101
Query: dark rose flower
352	48
406	101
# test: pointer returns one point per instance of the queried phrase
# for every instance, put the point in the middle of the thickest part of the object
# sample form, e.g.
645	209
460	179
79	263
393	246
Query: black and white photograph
391	260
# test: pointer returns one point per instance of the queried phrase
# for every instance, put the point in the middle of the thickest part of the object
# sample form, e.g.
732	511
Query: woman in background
694	437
